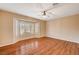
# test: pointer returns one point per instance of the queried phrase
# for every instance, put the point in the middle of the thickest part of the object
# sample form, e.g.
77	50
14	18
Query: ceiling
35	9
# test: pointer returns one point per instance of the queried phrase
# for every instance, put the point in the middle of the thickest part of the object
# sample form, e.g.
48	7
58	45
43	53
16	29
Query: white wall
66	28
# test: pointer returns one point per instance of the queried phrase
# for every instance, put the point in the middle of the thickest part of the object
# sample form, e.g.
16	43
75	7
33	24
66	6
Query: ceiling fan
46	11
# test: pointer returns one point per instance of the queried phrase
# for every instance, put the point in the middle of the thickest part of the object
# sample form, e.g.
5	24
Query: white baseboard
19	39
5	44
9	43
66	39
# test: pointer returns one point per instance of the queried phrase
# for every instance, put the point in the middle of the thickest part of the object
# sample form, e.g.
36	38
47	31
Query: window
25	28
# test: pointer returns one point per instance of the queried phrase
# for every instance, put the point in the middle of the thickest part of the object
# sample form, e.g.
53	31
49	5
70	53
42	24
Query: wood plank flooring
41	46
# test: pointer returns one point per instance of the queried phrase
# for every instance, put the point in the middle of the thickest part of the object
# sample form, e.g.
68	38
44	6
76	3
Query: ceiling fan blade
54	5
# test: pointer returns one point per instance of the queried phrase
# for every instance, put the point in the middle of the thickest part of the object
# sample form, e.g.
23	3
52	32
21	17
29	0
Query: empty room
39	28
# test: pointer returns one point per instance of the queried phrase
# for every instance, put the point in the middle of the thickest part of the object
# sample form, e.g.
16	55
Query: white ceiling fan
46	13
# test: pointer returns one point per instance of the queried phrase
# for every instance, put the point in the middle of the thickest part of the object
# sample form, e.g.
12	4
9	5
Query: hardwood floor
41	46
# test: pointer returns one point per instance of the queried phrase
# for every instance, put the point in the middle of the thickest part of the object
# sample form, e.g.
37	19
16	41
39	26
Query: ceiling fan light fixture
46	14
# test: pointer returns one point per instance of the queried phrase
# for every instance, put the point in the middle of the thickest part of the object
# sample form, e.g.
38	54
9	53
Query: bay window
26	28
